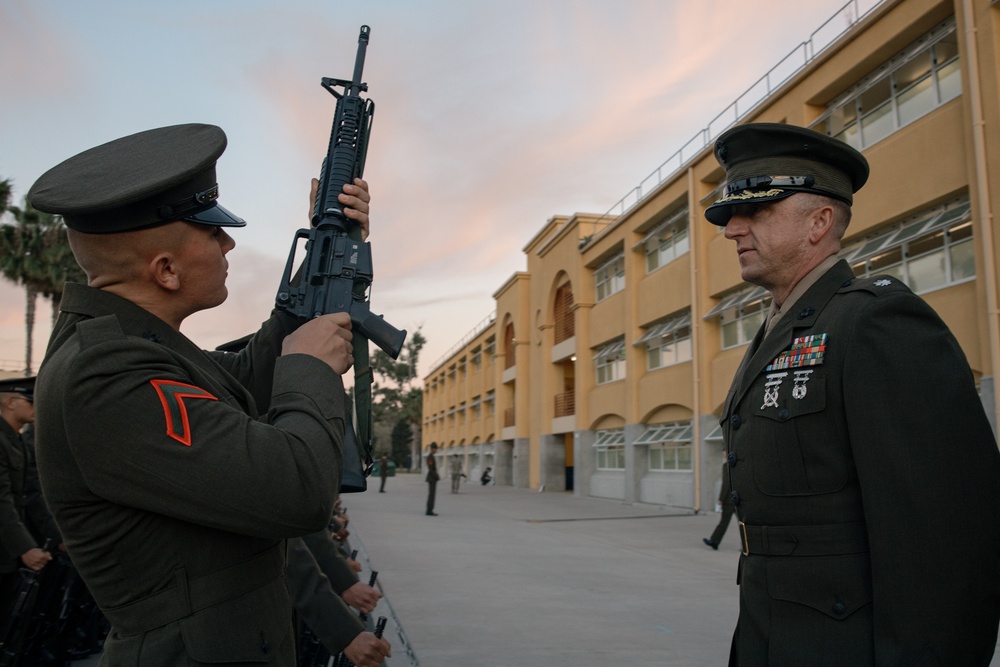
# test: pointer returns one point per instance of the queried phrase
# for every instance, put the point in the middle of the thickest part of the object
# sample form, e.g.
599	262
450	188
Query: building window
918	80
667	241
477	360
741	313
565	326
475	408
609	278
508	346
669	445
490	404
490	350
928	252
609	447
668	342
610	361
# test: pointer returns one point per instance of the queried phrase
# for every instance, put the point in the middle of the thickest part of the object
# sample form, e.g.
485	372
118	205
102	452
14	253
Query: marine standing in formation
864	471
175	474
25	522
432	479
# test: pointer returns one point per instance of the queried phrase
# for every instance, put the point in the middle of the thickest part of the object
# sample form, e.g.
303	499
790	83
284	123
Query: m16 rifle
336	272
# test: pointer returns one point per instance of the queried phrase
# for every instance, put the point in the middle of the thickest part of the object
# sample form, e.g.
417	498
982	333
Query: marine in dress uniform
432	480
318	578
25	522
863	468
176	474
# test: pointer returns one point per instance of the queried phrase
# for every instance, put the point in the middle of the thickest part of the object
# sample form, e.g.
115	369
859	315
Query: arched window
565	326
508	346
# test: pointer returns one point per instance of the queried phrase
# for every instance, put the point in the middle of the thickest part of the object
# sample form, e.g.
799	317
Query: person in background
726	502
383	471
456	472
432	480
25	522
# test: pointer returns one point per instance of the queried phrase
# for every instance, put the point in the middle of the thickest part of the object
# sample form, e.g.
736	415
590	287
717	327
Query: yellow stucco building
607	361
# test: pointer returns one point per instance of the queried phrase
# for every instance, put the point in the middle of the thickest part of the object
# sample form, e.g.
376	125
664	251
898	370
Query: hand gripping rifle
336	272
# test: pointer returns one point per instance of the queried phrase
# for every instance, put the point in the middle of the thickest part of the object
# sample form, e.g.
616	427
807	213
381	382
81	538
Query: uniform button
731	459
736	498
735	422
838	608
783	414
265	646
847	283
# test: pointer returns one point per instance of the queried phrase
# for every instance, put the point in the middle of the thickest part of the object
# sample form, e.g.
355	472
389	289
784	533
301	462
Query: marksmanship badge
799	388
771	388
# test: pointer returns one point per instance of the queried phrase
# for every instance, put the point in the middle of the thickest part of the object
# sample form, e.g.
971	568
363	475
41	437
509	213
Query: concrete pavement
508	576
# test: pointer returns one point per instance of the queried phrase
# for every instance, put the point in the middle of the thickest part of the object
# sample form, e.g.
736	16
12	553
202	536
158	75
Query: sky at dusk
490	118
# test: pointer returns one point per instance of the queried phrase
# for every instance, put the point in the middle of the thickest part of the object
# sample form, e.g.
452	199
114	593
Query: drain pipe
983	200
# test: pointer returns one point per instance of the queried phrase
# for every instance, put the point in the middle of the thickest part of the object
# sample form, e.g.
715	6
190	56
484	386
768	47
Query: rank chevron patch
172	395
805	351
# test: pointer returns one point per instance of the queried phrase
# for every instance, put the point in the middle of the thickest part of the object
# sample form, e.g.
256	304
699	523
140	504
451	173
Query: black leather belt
824	540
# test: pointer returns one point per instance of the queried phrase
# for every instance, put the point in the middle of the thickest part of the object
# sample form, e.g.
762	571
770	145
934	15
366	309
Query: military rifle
336	272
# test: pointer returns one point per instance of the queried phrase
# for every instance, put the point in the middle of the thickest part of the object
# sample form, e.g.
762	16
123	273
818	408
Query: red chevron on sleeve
172	395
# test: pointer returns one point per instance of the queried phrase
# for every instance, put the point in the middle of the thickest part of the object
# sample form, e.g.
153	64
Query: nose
735	227
226	241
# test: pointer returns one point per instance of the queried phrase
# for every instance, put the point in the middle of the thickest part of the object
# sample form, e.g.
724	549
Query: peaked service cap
19	385
140	181
771	161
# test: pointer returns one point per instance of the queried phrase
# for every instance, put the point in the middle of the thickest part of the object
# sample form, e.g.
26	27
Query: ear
164	271
820	223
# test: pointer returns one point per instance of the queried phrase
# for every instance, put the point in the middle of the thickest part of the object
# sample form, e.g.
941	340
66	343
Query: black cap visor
721	211
217	216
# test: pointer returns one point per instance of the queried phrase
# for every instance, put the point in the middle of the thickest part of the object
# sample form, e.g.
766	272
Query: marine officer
864	471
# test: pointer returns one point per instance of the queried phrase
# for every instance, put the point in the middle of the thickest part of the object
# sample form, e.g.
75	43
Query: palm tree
33	253
61	266
6	189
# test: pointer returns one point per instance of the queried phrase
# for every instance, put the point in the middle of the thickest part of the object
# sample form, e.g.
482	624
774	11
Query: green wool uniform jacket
25	521
317	601
869	492
175	476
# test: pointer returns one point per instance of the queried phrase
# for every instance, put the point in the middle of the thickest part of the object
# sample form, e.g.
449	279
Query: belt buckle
746	541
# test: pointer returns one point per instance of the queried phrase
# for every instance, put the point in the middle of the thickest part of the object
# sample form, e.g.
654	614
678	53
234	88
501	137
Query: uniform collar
801	314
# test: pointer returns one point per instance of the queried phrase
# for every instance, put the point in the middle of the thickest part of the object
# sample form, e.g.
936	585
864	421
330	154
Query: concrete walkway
512	577
508	576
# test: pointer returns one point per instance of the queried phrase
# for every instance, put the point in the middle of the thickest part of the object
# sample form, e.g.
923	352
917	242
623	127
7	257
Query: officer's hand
327	337
35	558
367	650
362	597
355	197
354	565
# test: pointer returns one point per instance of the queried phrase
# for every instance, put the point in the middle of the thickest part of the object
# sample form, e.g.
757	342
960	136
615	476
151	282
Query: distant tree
396	395
62	267
402	439
34	253
6	190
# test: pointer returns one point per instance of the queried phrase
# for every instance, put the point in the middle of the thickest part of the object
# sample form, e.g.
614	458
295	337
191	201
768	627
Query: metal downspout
983	200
